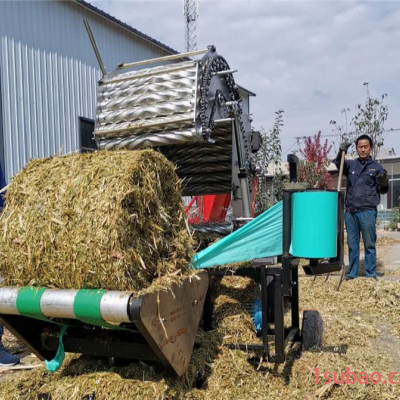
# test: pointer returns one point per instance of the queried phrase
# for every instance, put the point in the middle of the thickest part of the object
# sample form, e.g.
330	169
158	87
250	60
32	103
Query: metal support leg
279	320
341	277
295	299
287	238
264	310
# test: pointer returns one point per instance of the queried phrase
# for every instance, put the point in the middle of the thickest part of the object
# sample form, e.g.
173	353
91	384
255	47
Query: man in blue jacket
6	359
366	180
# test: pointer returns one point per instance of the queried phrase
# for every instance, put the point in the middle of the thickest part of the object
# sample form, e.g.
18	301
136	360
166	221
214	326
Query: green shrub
395	219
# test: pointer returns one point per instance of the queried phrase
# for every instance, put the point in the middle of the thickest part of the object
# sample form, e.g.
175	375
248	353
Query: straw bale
111	220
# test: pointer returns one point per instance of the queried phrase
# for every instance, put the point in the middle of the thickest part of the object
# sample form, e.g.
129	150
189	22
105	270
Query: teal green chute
261	237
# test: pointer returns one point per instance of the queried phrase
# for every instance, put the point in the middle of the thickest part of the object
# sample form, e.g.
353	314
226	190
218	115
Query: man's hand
344	146
382	179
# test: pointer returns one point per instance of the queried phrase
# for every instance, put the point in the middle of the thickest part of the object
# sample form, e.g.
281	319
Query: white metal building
48	74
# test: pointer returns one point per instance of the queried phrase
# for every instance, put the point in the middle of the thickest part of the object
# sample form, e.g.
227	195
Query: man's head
364	146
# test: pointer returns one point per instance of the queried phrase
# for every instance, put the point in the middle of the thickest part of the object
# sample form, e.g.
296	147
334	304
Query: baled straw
111	220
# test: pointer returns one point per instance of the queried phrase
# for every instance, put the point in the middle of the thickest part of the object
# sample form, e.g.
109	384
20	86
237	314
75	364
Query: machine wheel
312	330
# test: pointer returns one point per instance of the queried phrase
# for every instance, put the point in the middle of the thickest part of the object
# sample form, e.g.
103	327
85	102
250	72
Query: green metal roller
157	326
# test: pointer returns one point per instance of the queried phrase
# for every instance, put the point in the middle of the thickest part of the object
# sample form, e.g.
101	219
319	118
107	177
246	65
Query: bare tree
369	119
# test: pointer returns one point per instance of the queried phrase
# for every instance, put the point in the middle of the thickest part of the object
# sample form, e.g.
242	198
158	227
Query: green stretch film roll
314	224
261	237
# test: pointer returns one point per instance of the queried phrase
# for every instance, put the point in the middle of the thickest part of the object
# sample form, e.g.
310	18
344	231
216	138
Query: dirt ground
363	317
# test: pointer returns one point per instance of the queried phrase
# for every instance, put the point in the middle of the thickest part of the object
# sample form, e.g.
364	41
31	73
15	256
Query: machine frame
279	281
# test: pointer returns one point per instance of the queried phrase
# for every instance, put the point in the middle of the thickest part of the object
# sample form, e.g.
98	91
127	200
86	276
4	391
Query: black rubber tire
312	330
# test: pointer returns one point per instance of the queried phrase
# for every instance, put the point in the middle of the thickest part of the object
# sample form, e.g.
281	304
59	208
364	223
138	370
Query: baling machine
190	110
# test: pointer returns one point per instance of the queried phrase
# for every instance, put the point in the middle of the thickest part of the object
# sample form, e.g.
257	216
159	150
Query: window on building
86	129
392	198
394	192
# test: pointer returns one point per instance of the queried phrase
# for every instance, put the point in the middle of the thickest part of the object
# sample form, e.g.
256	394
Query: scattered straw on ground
111	220
351	317
381	241
386	241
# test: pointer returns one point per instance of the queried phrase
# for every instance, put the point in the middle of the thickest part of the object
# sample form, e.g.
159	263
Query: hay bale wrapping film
111	220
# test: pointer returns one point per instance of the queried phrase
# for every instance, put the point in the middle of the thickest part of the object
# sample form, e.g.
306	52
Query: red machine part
213	207
209	208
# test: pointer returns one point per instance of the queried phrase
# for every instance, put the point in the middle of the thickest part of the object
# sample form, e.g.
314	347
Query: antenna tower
191	12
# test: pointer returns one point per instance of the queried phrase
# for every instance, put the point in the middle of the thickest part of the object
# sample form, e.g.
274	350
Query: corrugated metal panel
49	73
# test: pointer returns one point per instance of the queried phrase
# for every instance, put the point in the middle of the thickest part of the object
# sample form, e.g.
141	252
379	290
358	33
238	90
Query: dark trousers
363	222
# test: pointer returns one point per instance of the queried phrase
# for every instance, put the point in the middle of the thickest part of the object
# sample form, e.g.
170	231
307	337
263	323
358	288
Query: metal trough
159	326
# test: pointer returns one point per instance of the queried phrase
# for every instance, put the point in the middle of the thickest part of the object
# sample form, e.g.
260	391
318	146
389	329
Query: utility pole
191	12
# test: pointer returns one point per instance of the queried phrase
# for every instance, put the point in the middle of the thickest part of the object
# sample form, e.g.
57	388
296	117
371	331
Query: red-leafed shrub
313	169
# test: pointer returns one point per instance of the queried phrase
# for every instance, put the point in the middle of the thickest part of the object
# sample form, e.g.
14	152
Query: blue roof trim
126	26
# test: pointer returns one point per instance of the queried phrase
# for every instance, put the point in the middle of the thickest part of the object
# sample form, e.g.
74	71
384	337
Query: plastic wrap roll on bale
314	224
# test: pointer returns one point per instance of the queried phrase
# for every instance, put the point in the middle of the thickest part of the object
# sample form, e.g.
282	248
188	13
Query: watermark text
351	378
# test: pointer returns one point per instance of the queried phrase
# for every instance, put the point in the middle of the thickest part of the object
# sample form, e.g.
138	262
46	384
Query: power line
304	137
290	148
301	138
298	138
390	130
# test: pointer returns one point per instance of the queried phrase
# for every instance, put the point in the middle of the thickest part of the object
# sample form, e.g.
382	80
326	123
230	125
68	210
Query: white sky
309	58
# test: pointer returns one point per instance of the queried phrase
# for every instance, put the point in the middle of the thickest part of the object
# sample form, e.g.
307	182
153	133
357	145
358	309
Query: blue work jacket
2	185
362	191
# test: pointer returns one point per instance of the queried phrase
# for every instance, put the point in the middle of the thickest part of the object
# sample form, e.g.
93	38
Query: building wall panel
49	72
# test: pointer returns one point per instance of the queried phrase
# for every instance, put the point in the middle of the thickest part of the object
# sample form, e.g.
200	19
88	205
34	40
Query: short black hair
365	137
